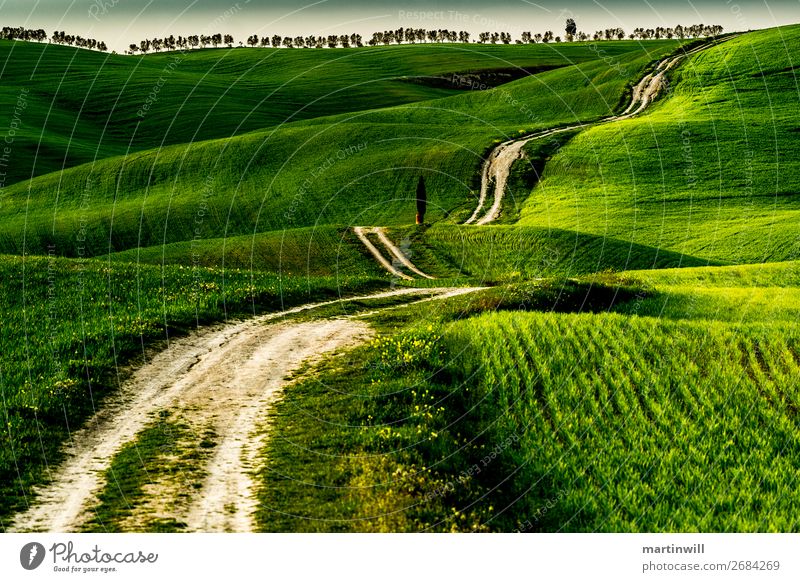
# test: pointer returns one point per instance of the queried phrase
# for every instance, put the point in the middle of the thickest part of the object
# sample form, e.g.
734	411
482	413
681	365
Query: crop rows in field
645	425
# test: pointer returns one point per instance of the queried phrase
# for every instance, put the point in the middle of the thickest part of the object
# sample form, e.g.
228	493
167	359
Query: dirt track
400	259
224	378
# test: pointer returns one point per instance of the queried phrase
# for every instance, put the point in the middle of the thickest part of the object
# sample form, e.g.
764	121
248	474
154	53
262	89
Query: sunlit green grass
635	423
357	168
711	171
757	294
557	414
82	105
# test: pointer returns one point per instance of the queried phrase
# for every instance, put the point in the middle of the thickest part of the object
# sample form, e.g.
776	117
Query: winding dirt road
223	379
497	166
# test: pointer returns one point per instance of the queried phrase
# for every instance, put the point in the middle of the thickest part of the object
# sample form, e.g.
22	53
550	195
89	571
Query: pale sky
120	22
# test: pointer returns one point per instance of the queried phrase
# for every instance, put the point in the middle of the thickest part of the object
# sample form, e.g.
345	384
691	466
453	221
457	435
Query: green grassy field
82	106
750	294
501	254
349	169
611	413
321	251
712	171
493	255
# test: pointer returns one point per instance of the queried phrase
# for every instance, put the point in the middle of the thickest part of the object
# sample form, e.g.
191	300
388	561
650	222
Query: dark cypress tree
422	200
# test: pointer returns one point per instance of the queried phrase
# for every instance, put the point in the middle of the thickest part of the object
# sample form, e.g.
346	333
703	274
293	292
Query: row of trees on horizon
421	35
387	37
58	37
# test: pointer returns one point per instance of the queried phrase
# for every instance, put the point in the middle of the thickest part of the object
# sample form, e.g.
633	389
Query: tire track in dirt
361	233
400	258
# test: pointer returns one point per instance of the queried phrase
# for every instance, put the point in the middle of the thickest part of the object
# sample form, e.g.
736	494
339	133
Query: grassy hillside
626	373
352	169
83	105
754	294
712	171
323	251
518	253
490	255
561	418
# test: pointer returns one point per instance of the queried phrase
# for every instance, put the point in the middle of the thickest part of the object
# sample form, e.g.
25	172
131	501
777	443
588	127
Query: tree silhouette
422	200
572	28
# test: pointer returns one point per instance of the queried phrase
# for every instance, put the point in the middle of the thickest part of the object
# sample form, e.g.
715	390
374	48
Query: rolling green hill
95	315
349	169
456	255
650	400
82	105
712	171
